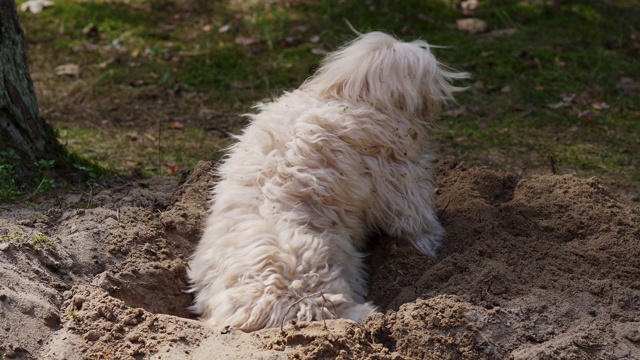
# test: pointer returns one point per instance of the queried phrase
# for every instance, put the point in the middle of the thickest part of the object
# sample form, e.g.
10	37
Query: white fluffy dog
316	171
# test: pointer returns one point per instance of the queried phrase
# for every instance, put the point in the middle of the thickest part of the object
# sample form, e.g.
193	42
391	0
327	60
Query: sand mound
545	267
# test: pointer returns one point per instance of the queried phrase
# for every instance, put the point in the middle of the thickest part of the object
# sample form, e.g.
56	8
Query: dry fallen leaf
535	63
600	105
406	30
242	84
245	41
171	168
177	125
471	25
35	6
569	98
150	137
566	101
289	41
133	135
501	32
299	29
106	63
469	7
319	51
224	28
91	30
68	70
627	84
454	112
587	114
195	53
557	106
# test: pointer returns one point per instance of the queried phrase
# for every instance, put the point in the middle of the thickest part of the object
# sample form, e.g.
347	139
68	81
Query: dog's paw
357	312
428	244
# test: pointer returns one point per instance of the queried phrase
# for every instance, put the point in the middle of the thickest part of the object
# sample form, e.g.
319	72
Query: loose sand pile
540	268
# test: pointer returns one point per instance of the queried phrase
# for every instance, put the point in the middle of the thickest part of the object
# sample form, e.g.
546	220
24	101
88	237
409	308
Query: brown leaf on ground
600	105
558	105
35	6
455	112
224	28
319	51
68	70
627	84
472	25
133	136
177	125
106	63
245	41
500	32
242	84
91	31
469	7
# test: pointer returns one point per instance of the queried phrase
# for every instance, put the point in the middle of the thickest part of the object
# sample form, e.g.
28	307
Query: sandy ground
541	268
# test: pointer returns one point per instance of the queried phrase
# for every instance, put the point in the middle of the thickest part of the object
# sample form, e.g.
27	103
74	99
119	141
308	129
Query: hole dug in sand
545	267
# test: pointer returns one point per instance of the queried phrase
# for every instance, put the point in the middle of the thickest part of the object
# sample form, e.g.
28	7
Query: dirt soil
541	268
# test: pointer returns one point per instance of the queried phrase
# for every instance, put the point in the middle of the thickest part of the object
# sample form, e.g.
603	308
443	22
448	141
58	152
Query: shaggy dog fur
315	172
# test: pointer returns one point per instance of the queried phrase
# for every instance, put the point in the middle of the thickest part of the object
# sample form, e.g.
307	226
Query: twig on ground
445	208
324	300
552	161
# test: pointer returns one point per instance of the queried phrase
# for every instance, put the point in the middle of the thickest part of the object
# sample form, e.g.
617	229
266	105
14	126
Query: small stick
552	161
445	208
351	27
324	300
488	290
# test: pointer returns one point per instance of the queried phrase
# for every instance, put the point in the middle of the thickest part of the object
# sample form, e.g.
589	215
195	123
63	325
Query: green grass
37	241
153	63
34	241
9	190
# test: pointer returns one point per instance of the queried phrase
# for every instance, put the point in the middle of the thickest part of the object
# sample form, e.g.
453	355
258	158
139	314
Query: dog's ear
397	78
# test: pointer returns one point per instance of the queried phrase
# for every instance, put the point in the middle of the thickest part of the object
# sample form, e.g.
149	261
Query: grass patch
9	190
14	236
162	84
34	241
38	241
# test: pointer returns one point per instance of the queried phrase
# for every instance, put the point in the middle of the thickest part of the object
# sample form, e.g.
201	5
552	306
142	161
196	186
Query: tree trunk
22	129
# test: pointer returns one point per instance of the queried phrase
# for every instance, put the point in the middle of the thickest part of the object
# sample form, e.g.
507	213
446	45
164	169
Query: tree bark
22	129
